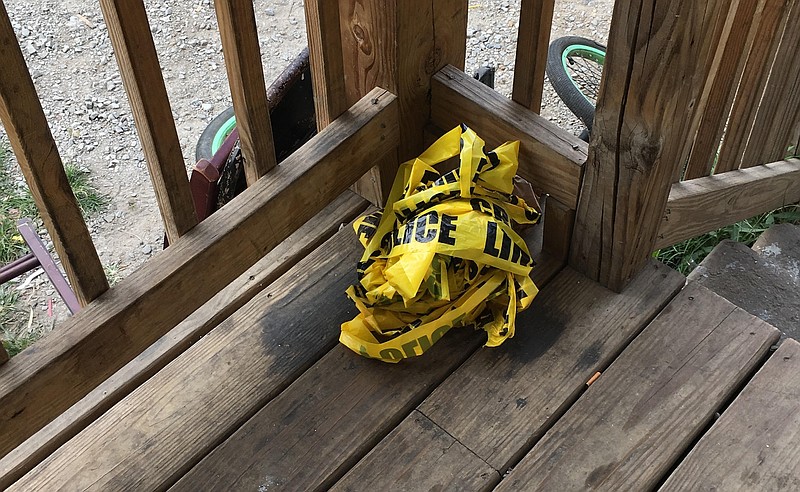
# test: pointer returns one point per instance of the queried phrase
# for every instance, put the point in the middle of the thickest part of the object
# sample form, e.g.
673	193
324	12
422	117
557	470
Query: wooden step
634	423
328	419
307	238
758	283
780	244
755	445
500	401
164	427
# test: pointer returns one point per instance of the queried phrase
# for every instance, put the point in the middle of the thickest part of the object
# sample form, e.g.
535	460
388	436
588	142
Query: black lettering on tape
446	228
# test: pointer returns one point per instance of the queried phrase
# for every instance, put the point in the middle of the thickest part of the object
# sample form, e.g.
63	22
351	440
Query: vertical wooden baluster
535	22
653	71
325	56
751	87
33	144
237	28
136	56
720	89
780	103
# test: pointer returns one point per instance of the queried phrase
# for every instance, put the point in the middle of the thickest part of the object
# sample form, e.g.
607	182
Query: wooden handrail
237	29
704	204
136	56
33	144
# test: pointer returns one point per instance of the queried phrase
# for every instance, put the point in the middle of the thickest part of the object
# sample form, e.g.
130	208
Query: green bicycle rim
588	52
222	134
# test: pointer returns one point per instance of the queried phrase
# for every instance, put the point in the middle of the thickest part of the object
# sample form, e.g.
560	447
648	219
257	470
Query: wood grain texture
45	380
533	39
399	45
559	222
327	64
33	144
156	356
239	35
780	103
654	74
129	32
720	90
550	158
419	455
338	410
701	205
768	31
165	426
638	419
500	402
3	355
755	445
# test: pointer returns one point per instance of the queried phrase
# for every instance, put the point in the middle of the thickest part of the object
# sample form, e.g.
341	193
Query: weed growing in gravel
16	328
685	256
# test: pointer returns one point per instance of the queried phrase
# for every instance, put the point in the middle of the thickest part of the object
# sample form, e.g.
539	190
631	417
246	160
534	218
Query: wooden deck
269	400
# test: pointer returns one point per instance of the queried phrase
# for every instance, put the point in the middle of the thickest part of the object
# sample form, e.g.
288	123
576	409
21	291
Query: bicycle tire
205	144
563	51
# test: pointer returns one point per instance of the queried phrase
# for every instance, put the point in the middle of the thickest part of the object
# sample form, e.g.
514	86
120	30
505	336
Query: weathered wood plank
722	88
239	35
320	426
29	134
655	69
44	381
755	445
420	456
705	204
327	64
751	87
399	45
154	358
550	158
533	39
500	402
166	425
634	423
130	35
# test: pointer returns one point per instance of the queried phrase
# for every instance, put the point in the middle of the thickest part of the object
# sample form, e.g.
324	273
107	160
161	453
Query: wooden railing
661	97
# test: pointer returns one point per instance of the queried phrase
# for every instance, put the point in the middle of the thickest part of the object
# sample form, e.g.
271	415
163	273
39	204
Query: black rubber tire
203	149
561	81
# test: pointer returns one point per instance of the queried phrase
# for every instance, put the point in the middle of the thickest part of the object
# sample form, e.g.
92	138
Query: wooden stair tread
755	444
165	426
544	367
755	282
780	244
426	457
275	263
323	423
634	423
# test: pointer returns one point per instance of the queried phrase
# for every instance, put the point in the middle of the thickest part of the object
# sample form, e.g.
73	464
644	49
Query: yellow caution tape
443	253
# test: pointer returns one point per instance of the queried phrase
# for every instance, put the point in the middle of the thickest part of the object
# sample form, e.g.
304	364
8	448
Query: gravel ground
69	55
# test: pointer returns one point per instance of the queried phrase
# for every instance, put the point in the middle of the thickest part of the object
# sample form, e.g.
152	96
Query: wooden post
237	28
535	22
653	74
136	56
398	45
30	137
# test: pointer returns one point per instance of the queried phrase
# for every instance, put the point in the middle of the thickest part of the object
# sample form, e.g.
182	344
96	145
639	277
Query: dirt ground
69	55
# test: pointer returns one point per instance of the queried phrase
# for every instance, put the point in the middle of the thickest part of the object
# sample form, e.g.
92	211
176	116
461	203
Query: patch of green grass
685	256
14	334
16	202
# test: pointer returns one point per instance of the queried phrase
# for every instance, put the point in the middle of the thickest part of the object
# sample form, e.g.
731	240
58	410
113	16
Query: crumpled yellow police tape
443	252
